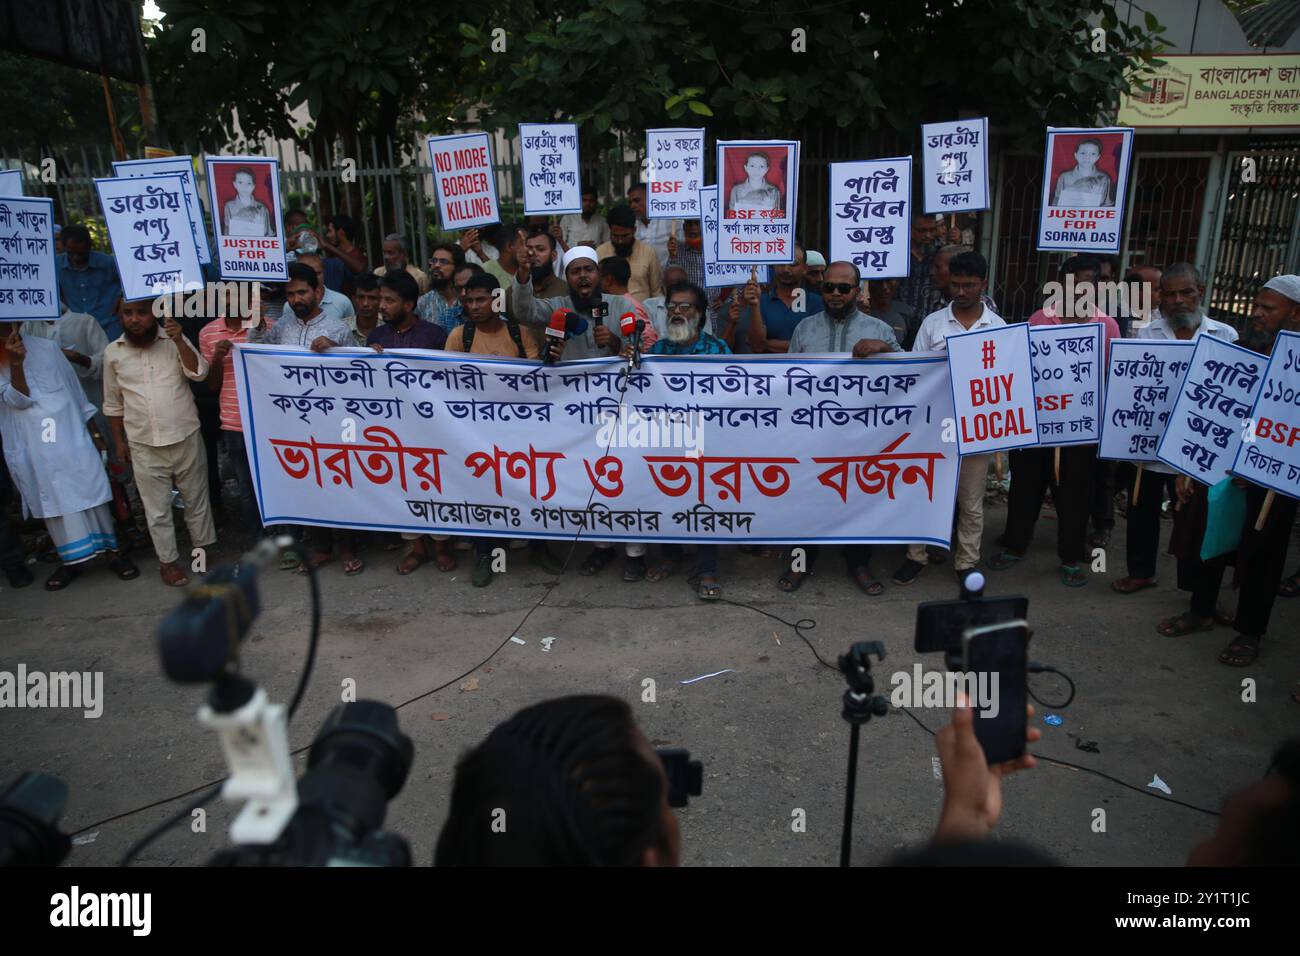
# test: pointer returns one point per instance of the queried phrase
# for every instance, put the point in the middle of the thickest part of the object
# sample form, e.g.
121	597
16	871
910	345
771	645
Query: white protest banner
463	180
11	182
1269	454
1085	175
707	448
548	159
955	157
1210	411
1141	388
153	242
244	196
29	283
182	166
716	274
871	218
674	172
993	389
1067	363
758	183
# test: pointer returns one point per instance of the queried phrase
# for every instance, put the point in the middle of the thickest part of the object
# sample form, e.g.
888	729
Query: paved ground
770	734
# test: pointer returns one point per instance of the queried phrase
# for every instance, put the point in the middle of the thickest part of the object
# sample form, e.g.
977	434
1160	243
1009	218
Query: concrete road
770	732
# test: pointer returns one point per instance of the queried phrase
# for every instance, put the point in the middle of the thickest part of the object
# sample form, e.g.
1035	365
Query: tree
745	69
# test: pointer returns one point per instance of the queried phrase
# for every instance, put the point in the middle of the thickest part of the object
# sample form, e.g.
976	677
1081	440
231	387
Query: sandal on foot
1290	587
869	585
791	581
1241	652
596	561
445	560
353	566
290	560
1003	560
123	567
317	562
1072	576
1132	585
707	591
1184	624
411	560
664	569
63	576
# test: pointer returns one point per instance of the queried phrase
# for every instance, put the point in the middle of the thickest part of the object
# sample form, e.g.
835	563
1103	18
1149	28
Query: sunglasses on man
843	288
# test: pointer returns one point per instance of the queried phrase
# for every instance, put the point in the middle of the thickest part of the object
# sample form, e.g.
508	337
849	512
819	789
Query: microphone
555	329
631	327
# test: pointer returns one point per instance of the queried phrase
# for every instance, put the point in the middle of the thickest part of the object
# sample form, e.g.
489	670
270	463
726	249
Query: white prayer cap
814	258
1285	285
579	252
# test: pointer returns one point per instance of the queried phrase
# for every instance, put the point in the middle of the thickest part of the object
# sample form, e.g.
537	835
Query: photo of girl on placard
1085	167
754	181
245	199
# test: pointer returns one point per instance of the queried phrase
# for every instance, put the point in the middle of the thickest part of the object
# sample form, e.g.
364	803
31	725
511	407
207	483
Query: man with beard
540	248
397	258
601	312
939	295
401	327
917	290
1183	319
307	326
687	253
363	290
1260	555
642	259
332	303
441	304
44	417
773	315
155	425
842	328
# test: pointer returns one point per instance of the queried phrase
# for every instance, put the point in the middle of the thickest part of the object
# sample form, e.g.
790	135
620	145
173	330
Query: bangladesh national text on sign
706	449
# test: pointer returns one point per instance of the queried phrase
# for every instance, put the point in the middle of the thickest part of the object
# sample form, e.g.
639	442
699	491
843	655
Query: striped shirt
212	333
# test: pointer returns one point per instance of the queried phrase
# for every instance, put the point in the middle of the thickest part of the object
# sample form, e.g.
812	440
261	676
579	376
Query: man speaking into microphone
585	298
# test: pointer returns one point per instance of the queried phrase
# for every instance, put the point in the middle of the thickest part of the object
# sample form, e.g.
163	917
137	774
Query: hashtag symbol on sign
986	350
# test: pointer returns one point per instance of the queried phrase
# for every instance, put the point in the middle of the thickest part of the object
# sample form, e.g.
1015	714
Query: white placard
11	182
463	180
244	196
993	389
758	183
1141	388
153	241
955	157
674	173
1209	415
1085	175
548	159
871	216
1067	361
182	166
718	275
29	282
1270	450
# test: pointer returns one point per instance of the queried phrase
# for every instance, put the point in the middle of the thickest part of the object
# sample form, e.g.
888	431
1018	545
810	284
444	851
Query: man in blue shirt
780	308
88	281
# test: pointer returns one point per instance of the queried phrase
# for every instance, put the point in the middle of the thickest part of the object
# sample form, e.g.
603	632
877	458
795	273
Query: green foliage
48	105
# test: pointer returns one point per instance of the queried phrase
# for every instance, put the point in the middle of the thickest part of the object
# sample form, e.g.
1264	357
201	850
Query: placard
1142	385
871	216
993	389
182	166
463	180
149	225
29	282
758	182
1085	175
548	159
1067	362
955	157
11	182
674	173
1270	449
244	196
718	275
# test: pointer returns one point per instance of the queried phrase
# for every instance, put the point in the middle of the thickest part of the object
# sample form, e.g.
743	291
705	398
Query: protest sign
718	275
871	216
993	389
1269	454
1085	174
182	166
758	181
707	448
1066	362
955	157
463	180
674	173
1141	388
244	196
548	159
1209	414
29	284
11	182
153	241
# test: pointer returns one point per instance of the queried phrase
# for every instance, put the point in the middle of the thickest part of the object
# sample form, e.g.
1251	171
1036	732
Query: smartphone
997	656
940	624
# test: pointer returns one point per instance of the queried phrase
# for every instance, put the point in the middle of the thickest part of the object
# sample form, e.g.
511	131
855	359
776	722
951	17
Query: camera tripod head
859	703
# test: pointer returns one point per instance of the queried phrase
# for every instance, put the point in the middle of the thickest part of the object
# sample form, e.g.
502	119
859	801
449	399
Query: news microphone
555	330
627	327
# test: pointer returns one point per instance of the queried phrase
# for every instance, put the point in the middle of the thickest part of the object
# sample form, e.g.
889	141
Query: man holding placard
966	313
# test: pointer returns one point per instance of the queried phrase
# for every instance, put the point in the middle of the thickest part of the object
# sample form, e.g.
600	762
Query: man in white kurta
51	458
83	342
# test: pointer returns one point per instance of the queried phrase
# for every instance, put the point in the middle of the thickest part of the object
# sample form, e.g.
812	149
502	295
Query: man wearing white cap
814	270
602	312
1260	557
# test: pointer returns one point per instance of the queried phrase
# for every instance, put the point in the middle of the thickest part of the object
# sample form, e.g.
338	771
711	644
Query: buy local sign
994	401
